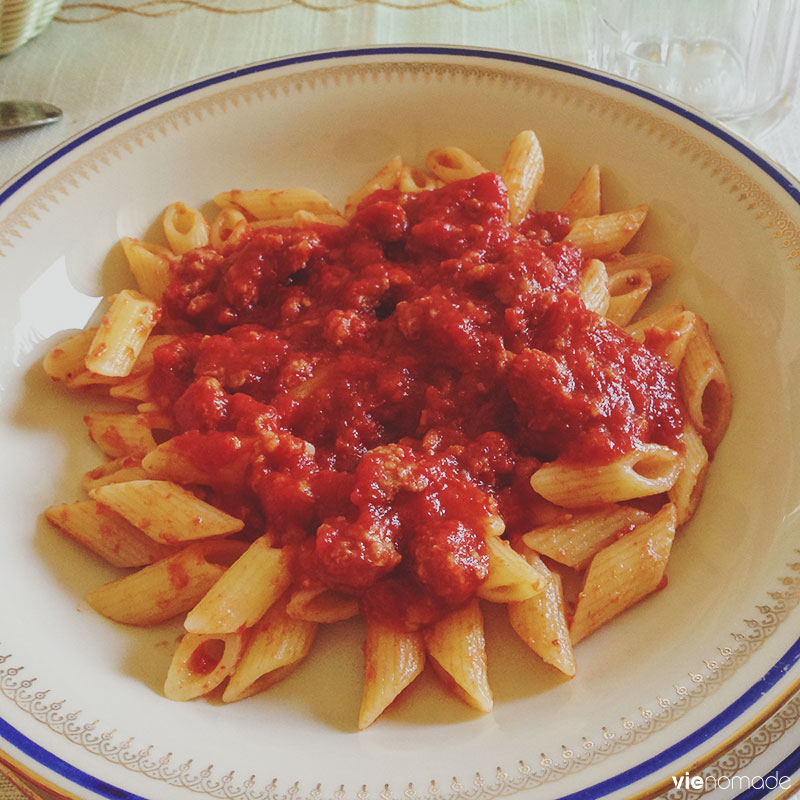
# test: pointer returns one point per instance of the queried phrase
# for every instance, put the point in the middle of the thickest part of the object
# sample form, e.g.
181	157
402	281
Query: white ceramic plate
668	682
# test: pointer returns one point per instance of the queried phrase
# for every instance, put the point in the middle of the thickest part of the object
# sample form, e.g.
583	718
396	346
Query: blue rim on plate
791	188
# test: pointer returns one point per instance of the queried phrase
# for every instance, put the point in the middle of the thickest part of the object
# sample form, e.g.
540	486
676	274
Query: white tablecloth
99	57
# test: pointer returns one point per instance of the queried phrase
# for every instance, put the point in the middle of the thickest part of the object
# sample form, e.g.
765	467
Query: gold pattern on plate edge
775	720
16	780
746	190
738	758
526	776
549	768
792	791
80	13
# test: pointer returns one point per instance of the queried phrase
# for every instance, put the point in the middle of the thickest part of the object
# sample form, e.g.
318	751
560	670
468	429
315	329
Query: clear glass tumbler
737	60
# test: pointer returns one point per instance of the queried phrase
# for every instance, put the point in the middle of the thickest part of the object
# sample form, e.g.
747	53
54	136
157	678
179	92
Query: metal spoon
17	114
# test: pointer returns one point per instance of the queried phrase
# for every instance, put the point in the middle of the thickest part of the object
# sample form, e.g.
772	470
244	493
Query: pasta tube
268	204
453	164
392	659
522	172
386	177
243	592
122	333
541	621
321	605
624	572
457	650
120	435
606	234
185	228
585	199
574	540
276	645
105	533
166	588
66	359
510	576
201	663
165	511
150	265
118	470
650	469
705	386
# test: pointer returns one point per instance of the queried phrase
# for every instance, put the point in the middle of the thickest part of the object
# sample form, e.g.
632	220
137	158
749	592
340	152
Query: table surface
99	57
96	58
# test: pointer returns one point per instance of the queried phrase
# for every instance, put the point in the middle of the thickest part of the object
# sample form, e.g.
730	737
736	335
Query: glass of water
737	60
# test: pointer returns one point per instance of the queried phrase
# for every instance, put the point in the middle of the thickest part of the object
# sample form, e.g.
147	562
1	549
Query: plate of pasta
360	444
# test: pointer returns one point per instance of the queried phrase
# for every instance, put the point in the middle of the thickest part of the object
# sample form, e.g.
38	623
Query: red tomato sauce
396	382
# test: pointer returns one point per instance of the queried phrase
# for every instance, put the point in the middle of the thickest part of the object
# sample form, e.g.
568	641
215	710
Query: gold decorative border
738	758
757	200
79	13
17	782
730	764
549	767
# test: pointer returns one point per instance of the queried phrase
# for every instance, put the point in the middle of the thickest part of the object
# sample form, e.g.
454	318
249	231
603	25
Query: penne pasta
659	266
456	647
167	587
649	470
84	379
105	533
270	204
300	219
594	289
453	164
660	318
321	605
122	333
304	219
606	234
666	332
120	387
134	388
120	435
201	663
510	576
154	419
627	291
392	659
244	591
585	199
118	470
522	173
414	180
181	459
185	228
228	229
687	490
623	573
541	621
66	360
386	177
276	645
150	265
705	387
165	511
576	538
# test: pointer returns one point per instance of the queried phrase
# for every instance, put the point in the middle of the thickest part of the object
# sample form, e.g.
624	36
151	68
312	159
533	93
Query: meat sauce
378	395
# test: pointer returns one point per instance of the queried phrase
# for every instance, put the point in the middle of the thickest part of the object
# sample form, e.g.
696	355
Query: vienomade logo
736	783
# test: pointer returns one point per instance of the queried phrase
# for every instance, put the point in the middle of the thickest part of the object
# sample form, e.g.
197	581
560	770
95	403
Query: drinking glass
737	60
